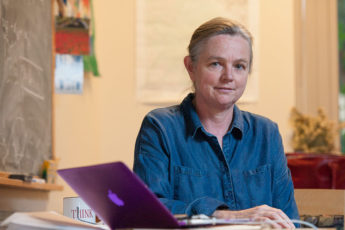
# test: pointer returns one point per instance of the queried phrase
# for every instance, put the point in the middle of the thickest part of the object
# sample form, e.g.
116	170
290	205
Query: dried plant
312	134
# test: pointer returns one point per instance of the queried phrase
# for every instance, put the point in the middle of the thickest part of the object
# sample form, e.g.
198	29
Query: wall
101	125
277	70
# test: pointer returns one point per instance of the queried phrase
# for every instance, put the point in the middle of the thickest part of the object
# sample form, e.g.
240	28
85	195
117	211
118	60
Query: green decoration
90	61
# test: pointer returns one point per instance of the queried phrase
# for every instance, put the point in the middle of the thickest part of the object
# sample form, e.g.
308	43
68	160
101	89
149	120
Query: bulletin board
25	85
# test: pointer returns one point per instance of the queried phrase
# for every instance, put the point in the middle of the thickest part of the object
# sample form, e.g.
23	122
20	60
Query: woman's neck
216	121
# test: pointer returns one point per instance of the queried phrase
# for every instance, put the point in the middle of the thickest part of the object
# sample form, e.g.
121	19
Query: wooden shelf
6	182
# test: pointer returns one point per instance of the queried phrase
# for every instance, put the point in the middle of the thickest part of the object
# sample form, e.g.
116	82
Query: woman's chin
225	105
226	101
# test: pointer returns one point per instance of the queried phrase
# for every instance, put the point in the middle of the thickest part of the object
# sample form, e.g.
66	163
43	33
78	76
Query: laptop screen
118	197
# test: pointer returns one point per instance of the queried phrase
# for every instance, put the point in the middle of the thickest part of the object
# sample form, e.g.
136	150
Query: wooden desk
320	201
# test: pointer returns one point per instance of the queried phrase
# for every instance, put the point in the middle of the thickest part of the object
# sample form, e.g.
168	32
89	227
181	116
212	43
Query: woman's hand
263	213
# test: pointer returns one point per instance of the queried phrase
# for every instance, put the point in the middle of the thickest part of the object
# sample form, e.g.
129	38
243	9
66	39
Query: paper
45	220
69	74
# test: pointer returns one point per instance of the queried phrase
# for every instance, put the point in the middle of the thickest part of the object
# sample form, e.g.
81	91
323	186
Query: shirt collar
193	122
237	126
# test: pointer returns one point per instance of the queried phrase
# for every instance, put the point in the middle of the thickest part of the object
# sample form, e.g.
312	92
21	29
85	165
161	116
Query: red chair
324	171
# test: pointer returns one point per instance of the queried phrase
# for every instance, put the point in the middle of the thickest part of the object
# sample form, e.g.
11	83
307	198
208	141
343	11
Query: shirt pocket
191	183
258	185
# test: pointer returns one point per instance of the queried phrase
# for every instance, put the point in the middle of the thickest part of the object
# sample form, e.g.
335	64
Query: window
341	47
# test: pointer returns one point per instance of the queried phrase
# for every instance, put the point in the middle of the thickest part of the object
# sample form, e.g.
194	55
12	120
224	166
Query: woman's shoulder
258	121
167	114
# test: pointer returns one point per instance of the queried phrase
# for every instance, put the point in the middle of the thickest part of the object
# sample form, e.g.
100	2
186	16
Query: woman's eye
215	64
240	66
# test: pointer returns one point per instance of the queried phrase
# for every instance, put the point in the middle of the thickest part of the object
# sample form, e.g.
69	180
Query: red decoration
72	41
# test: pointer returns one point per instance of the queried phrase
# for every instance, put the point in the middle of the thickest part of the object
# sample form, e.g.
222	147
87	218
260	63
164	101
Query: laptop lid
118	196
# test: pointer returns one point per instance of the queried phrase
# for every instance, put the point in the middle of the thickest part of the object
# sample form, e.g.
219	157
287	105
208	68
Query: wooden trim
334	57
52	85
299	84
6	182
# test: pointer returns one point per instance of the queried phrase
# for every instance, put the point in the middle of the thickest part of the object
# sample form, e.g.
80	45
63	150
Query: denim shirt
190	173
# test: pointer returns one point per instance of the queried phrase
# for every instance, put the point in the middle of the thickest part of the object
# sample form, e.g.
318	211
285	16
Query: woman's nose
227	74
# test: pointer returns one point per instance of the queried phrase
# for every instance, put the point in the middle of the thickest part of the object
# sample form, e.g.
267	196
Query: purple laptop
119	197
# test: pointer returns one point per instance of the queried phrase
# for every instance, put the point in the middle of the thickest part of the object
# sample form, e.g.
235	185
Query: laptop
120	199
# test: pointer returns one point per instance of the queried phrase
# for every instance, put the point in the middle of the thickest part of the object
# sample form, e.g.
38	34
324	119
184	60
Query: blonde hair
217	26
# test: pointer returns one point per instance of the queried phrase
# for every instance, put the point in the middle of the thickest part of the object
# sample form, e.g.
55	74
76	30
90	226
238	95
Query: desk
320	201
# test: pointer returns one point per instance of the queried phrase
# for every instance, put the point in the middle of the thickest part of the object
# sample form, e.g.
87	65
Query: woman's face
221	71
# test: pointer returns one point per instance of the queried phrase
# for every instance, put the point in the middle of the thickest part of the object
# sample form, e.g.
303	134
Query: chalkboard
25	85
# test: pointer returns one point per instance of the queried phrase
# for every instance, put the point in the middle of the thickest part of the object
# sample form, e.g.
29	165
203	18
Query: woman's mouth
224	89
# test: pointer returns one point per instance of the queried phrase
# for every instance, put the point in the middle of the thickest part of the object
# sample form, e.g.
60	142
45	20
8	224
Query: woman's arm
263	213
152	164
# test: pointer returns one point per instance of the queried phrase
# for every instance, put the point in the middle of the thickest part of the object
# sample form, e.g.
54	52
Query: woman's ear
188	63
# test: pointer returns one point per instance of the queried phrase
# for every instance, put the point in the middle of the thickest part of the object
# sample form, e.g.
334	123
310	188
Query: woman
206	156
